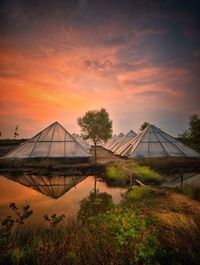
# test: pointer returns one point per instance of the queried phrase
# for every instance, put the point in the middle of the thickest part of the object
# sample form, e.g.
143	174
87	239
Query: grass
137	193
121	171
114	173
147	175
178	221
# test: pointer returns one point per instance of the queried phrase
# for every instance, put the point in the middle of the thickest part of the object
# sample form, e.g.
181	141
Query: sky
140	60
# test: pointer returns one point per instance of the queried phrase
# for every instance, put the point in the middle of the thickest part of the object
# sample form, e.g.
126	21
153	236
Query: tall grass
123	170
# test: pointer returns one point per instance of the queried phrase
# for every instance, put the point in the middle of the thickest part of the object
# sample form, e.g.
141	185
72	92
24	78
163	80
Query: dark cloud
140	82
151	93
98	65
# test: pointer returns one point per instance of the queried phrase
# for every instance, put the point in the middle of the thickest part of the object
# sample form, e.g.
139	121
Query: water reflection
53	186
70	191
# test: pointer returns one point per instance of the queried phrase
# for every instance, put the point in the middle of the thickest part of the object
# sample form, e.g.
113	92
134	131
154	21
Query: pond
50	194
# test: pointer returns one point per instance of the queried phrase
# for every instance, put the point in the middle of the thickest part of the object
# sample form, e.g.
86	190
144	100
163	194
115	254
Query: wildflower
117	210
123	220
116	220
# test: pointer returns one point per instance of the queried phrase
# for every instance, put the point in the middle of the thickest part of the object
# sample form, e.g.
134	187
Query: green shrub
138	193
114	173
126	234
147	175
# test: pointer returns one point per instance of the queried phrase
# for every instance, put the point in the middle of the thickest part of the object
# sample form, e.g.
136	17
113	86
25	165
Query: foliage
8	223
6	142
192	135
54	219
137	193
144	125
148	175
27	254
126	234
114	172
96	125
122	171
5	231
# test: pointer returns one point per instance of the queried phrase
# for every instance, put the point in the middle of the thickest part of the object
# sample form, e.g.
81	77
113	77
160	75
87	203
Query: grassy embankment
149	226
154	171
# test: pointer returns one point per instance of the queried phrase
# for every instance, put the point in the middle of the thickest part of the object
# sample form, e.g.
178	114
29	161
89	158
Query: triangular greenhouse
153	142
114	142
110	141
54	141
85	145
123	140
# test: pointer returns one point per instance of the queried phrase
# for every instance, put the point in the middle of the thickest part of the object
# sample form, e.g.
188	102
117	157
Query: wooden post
95	153
131	180
181	181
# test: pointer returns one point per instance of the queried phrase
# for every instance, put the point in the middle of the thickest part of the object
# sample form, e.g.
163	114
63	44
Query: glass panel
35	138
41	149
168	138
22	151
140	151
156	150
57	149
59	134
145	137
172	150
79	151
70	149
73	149
131	134
187	150
68	137
46	135
152	137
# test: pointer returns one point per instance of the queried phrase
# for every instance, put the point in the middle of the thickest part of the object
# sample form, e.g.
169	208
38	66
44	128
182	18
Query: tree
192	135
144	125
96	125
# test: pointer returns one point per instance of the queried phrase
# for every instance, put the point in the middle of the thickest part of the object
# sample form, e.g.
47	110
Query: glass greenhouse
54	141
153	142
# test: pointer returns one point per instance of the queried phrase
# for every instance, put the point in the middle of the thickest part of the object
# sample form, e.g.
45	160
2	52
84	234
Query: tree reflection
96	202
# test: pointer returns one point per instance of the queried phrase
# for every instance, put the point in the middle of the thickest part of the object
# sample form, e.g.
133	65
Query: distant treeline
4	142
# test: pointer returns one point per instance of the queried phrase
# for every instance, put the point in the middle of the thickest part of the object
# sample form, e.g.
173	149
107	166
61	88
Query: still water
50	194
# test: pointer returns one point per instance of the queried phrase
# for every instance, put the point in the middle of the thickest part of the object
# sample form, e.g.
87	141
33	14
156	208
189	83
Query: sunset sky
138	59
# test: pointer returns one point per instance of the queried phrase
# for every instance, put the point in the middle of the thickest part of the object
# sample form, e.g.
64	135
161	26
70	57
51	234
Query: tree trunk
95	152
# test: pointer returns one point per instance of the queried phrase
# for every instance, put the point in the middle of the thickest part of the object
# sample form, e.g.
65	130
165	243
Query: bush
126	236
138	193
114	173
148	175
